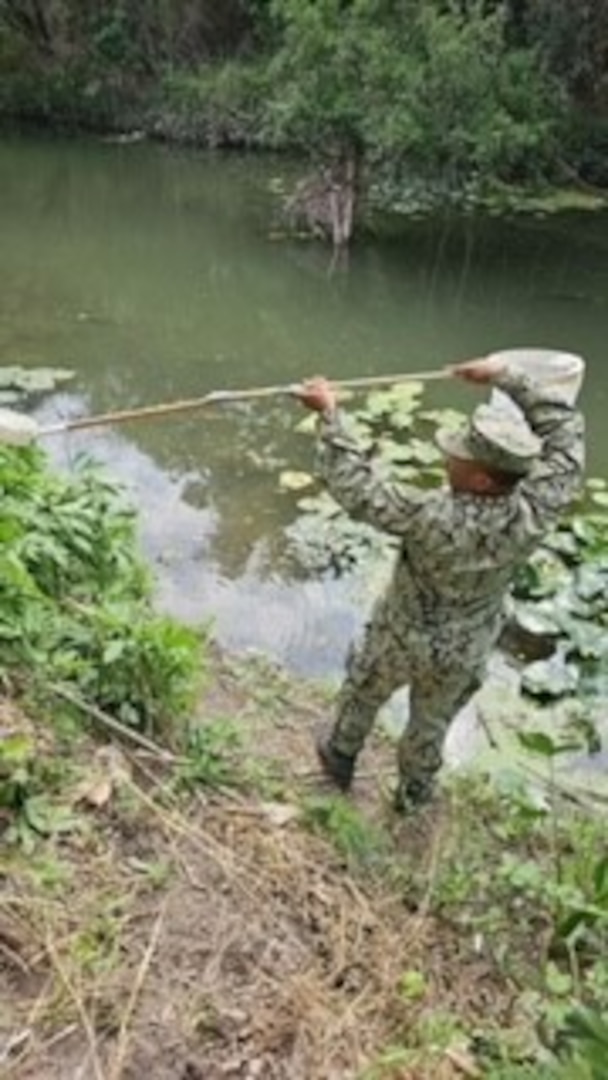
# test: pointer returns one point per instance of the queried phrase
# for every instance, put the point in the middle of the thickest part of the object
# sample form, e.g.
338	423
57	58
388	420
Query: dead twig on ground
77	1001
110	723
118	1063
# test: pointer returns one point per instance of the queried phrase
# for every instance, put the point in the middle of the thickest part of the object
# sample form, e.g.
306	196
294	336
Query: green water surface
158	274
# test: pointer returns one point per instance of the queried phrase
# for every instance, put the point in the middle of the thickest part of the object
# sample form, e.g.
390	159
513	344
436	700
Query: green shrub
75	598
219	105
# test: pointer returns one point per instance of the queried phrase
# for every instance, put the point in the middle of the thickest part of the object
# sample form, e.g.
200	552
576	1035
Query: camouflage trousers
443	670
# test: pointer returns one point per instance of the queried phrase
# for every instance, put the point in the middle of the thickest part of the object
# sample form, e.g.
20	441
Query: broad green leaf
586	639
557	982
10	397
46	818
425	453
379	403
537	742
581	529
564	542
114	650
589	1025
322	504
398	403
33	380
406	394
16	748
551	678
540	622
9	376
592	583
542	575
449	419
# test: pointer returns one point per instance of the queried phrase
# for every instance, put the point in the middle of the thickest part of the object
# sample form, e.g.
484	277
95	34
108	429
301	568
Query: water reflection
210	567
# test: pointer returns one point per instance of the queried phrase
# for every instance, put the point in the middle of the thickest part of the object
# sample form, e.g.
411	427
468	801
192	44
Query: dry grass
257	954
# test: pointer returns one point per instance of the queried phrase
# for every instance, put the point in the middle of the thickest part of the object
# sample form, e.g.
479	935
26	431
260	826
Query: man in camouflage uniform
509	481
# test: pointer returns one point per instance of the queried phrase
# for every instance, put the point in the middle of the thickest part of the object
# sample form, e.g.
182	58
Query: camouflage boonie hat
493	438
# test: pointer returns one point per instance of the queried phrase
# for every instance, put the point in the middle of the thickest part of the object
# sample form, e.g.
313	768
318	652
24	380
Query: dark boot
339	768
411	794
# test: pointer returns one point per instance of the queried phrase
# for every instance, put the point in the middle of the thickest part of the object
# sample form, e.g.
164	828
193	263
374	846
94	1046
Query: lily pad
42	380
23	381
586	639
291	480
388	450
594	681
377	404
322	505
10	397
425	453
543	575
9	376
332	543
536	620
397	404
402	420
407	394
592	584
450	419
563	542
582	529
553	678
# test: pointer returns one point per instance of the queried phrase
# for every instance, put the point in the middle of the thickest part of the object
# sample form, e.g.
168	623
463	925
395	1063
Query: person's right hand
485	370
317	394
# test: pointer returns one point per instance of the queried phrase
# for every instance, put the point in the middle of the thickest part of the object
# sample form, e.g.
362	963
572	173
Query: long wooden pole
220	397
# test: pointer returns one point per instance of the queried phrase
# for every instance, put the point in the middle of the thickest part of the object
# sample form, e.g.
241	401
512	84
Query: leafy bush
75	599
441	91
211	749
219	105
428	90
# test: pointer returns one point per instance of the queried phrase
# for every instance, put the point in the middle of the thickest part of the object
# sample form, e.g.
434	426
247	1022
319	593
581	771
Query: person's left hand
484	370
317	394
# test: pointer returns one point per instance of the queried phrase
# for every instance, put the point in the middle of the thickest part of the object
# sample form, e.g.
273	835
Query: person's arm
349	474
555	479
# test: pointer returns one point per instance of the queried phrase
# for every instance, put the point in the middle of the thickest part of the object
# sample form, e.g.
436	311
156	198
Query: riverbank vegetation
179	894
404	104
232	916
75	610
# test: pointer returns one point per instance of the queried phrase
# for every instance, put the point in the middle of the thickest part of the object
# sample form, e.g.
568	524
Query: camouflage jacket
458	552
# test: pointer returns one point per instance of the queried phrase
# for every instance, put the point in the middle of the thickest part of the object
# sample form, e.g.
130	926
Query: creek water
158	274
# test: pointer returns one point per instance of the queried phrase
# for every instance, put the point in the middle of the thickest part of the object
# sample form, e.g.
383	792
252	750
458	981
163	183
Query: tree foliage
149	33
574	38
455	91
422	84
